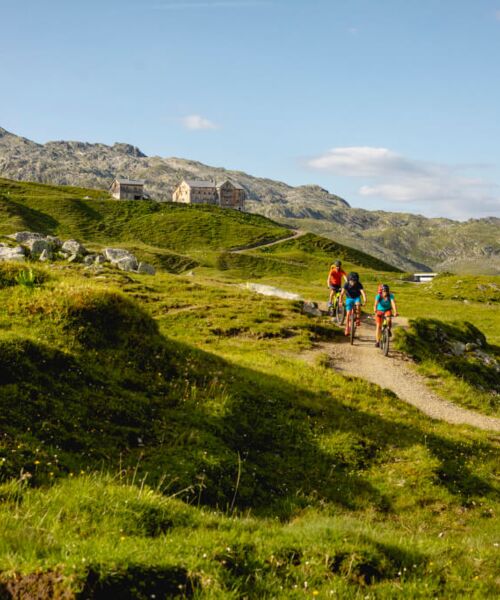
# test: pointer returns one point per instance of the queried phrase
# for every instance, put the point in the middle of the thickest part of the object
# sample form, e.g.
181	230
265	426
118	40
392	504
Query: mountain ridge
411	242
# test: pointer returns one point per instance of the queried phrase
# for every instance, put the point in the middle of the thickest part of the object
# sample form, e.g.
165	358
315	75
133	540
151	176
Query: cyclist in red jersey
334	281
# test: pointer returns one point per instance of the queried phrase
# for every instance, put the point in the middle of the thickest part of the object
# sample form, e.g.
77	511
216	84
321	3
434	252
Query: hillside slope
162	232
410	242
117	405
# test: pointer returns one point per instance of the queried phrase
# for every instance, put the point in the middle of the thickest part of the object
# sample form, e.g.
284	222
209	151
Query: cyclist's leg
378	330
349	306
332	291
388	316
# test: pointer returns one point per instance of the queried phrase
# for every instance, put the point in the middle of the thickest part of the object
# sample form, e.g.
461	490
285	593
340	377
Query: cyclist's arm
394	308
363	295
342	295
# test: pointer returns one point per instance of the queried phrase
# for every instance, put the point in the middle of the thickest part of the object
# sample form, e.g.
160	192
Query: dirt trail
297	234
394	373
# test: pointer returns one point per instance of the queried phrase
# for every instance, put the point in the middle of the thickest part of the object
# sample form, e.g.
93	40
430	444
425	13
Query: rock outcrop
37	246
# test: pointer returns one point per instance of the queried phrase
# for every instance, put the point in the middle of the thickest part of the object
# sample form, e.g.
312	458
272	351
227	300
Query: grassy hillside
197	389
178	435
142	226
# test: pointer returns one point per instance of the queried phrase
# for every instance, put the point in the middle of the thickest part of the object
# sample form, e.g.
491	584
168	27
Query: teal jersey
384	303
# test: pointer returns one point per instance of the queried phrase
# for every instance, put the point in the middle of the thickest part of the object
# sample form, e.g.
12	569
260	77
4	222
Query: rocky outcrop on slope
36	246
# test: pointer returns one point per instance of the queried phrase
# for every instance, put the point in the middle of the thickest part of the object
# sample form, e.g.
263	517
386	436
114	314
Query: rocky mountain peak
128	150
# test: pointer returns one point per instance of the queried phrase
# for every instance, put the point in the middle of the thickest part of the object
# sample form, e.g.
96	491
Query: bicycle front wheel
384	342
340	313
352	318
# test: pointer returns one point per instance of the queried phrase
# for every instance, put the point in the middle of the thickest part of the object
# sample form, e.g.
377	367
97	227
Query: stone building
195	191
231	195
128	189
226	194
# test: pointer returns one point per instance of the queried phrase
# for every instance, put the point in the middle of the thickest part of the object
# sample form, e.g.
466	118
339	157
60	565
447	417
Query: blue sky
391	104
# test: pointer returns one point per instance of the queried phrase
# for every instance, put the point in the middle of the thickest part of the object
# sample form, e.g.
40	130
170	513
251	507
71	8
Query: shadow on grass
215	432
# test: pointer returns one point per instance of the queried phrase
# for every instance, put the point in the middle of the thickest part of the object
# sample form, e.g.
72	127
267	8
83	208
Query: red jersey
336	275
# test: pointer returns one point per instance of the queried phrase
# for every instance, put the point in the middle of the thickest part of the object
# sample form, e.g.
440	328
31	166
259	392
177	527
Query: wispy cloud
445	190
197	122
193	4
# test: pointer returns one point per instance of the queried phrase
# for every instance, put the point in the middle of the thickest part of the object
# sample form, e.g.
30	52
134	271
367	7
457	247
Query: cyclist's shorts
380	314
350	302
335	288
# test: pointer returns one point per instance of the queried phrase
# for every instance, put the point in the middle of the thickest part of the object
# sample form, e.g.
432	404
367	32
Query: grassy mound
458	360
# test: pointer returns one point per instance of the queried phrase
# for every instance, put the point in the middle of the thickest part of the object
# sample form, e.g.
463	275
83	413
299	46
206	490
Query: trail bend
394	372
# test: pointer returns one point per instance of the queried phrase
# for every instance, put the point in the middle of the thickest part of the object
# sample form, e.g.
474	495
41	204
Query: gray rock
44	256
99	259
311	308
74	247
146	268
470	346
16	254
54	241
127	264
89	259
116	254
73	258
24	237
38	246
457	348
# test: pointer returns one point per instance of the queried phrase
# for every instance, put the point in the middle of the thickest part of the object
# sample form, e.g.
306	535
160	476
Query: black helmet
385	288
353	276
338	263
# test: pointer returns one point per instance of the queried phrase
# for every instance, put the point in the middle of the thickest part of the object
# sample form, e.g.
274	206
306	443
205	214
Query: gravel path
297	234
363	360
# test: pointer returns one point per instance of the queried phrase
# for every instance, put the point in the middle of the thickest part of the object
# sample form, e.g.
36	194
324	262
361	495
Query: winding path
297	234
394	373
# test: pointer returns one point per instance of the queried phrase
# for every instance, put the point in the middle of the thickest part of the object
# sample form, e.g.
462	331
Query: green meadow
178	435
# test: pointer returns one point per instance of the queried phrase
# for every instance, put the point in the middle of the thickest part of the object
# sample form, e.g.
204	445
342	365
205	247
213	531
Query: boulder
99	259
89	259
127	263
116	254
37	246
457	348
311	308
74	247
54	241
16	253
44	256
146	268
25	237
73	258
470	346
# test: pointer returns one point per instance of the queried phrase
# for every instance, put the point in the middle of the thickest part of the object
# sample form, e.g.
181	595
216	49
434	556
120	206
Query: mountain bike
337	309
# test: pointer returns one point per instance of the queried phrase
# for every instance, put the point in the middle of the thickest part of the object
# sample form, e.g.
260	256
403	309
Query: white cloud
197	122
436	188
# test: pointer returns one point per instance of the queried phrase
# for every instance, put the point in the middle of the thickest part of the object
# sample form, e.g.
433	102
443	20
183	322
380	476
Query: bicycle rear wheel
352	318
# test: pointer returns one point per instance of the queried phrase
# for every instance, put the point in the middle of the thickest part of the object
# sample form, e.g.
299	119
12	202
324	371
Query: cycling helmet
385	288
338	263
353	276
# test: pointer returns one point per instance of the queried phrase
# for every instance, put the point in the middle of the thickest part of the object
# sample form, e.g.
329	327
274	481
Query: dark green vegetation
179	435
458	360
